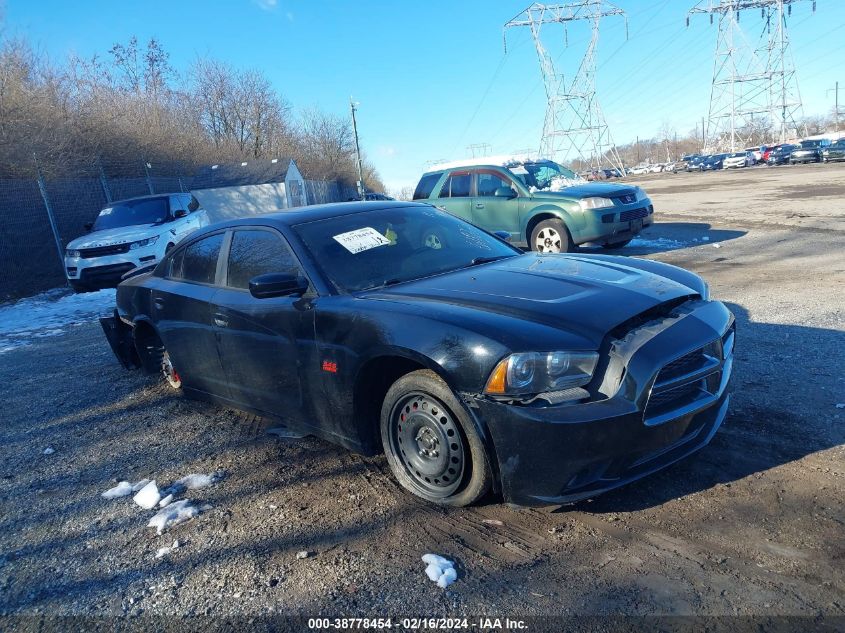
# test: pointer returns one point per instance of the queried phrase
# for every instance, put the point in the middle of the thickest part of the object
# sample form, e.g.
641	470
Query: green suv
538	203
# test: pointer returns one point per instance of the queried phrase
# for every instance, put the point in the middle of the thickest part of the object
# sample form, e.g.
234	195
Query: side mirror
179	213
503	235
89	226
277	285
504	192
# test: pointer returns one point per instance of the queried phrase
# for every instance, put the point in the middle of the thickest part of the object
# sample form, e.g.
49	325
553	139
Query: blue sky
431	76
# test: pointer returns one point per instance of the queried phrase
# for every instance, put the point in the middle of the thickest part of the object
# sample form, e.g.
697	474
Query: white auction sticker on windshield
361	240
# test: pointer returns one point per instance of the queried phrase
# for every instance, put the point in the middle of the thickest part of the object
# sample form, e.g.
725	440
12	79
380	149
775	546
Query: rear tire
430	443
551	236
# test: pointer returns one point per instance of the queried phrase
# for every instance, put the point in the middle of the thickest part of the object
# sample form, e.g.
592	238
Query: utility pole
357	151
835	92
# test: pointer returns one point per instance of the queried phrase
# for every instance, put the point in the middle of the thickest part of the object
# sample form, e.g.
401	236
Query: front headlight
595	203
142	243
72	252
541	372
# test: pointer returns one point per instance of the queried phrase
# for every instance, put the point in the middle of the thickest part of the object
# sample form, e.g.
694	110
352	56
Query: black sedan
394	327
781	154
834	151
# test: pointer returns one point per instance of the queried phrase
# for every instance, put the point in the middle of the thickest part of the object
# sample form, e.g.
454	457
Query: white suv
130	234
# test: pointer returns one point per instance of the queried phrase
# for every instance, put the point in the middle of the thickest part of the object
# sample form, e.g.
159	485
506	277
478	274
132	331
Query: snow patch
173	514
195	481
164	551
49	451
148	496
123	489
48	314
166	501
661	243
440	570
139	484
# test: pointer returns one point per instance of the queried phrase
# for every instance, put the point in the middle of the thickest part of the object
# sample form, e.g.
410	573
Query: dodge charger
476	368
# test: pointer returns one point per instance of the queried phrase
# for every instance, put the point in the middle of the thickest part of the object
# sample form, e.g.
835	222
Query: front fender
572	218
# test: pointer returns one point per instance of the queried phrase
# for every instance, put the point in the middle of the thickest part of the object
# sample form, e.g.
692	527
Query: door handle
220	320
479	205
158	303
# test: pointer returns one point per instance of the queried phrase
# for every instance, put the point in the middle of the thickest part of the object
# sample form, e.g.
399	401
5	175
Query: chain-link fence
40	213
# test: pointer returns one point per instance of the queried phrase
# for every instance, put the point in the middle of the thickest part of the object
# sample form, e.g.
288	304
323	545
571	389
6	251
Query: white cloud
386	150
267	5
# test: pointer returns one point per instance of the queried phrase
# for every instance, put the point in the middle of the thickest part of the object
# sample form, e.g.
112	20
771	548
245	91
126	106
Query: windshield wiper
487	260
387	282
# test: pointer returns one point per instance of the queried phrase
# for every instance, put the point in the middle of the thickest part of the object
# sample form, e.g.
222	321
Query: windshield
367	250
810	144
546	175
131	213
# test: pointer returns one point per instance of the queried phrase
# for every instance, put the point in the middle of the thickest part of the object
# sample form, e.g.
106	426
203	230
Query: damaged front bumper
121	340
668	402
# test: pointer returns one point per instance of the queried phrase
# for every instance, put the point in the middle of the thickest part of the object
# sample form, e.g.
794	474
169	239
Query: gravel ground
750	526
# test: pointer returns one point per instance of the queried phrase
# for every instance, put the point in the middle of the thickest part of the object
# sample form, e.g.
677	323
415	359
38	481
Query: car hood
119	235
588	190
585	296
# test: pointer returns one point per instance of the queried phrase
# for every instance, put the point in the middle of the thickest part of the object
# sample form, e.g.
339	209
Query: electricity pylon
574	126
754	93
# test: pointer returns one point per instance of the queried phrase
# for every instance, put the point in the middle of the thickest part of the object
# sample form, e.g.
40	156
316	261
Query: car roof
150	197
301	215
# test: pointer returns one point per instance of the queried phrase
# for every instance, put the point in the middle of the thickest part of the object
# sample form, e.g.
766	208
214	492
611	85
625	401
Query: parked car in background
765	152
834	151
756	152
538	203
809	151
714	162
738	159
780	154
638	170
130	234
696	163
474	367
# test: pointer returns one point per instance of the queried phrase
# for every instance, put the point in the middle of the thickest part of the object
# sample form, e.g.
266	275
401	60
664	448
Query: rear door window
257	252
456	185
199	261
426	186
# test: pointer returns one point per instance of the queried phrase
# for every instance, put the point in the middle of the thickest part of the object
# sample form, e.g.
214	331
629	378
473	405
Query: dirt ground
753	525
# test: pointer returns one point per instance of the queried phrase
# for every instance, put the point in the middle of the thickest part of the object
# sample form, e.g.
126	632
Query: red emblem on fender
330	366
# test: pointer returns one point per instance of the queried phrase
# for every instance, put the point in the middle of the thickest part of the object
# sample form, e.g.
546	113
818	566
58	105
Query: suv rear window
426	186
456	185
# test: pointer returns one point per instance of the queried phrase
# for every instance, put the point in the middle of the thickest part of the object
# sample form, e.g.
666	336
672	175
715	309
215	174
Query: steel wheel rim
426	441
548	241
170	375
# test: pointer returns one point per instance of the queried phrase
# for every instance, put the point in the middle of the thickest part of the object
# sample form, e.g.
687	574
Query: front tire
430	443
551	236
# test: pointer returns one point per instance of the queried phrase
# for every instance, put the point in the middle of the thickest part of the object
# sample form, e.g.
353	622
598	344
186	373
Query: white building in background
237	189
